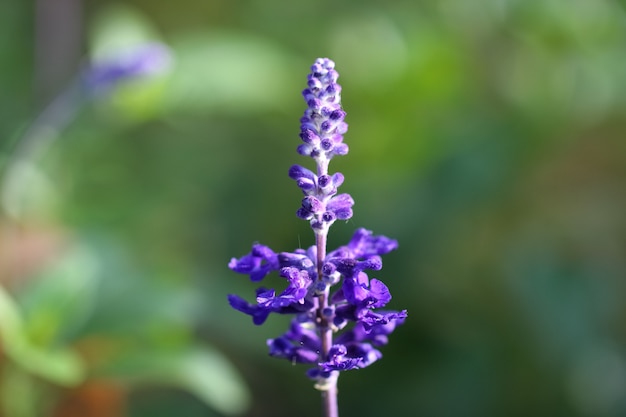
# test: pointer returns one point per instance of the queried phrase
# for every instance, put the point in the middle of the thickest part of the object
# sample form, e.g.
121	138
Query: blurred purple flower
139	61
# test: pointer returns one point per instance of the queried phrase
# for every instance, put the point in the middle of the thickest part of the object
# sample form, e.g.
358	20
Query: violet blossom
337	323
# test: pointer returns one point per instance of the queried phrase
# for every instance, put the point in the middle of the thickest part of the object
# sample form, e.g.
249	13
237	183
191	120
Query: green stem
329	386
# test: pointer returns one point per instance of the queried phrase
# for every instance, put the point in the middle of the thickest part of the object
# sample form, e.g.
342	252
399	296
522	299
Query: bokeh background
486	136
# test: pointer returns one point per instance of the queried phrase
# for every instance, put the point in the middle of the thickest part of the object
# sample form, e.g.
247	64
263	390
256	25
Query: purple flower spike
336	324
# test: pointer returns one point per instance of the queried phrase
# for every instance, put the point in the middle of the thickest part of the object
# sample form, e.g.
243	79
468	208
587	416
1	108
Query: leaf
60	366
209	375
203	372
60	301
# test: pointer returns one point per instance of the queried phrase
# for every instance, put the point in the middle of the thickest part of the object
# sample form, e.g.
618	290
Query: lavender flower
350	311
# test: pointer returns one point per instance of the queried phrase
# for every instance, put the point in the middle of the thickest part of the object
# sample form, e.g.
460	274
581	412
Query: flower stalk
336	323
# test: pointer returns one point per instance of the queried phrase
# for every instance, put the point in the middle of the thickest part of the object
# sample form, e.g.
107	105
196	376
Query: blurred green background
486	136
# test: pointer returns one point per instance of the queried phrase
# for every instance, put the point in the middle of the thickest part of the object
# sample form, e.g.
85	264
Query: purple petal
259	315
363	244
341	205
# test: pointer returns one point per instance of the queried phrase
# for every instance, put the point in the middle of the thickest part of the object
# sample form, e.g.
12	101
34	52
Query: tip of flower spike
323	122
322	64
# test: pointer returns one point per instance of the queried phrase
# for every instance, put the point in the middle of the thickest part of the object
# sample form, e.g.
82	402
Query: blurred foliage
487	137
